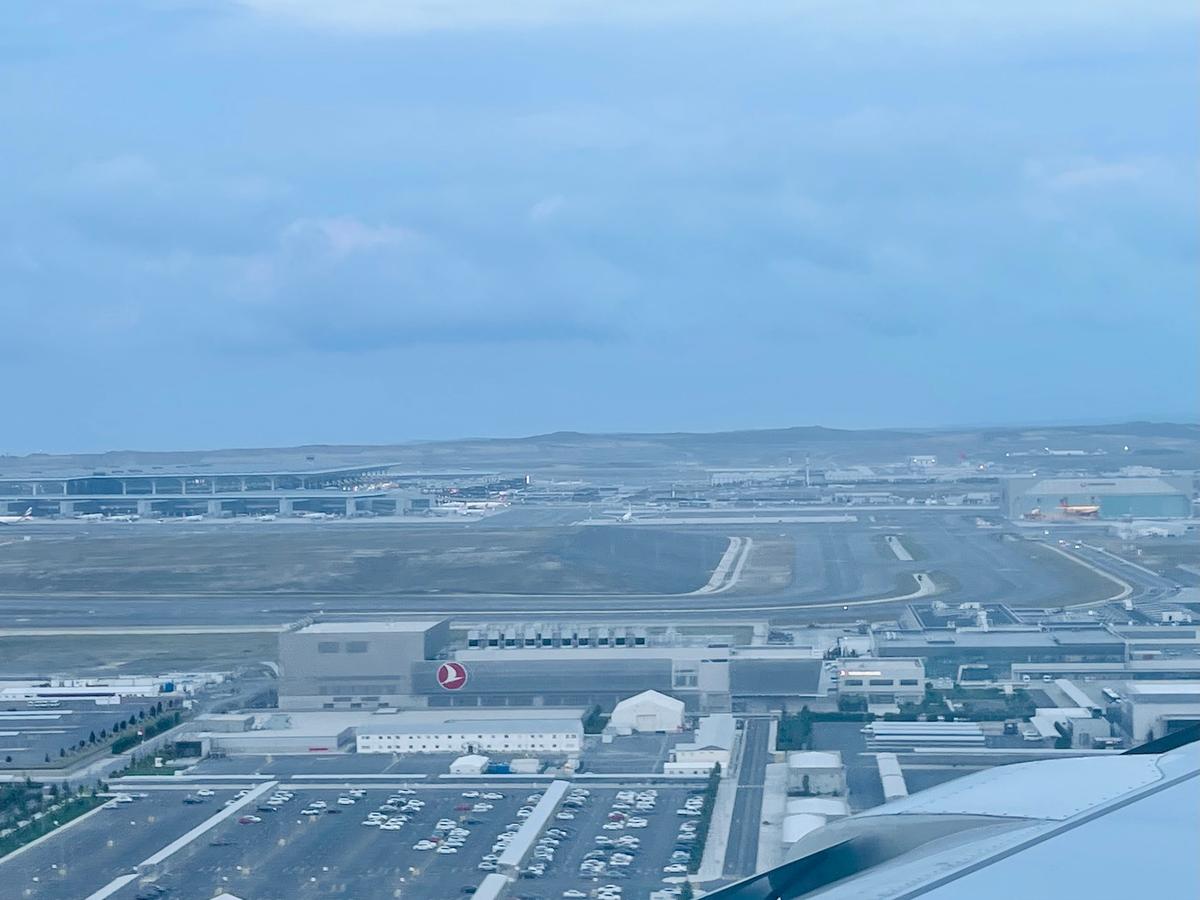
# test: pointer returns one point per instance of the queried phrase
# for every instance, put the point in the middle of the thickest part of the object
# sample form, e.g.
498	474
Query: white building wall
456	742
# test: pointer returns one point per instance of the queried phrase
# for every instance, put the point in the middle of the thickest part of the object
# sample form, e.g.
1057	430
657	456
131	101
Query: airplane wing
1064	827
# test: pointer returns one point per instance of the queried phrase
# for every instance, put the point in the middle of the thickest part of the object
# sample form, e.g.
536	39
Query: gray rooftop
984	639
416	625
1100	486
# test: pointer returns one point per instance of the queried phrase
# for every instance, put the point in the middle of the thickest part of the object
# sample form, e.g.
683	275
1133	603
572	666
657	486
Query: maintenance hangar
1159	497
403	665
356	665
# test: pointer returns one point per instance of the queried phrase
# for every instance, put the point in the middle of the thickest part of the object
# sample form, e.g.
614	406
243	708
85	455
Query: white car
346	801
637	822
445	850
356	792
317	804
564	816
204	792
390	826
424	845
613	826
470	794
574	894
675	868
405	791
492	795
482	807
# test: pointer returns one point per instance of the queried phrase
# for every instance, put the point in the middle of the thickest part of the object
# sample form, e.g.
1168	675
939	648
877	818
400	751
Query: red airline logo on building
451	675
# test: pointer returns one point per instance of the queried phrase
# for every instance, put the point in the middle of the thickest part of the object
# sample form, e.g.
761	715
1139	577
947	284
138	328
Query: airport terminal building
417	665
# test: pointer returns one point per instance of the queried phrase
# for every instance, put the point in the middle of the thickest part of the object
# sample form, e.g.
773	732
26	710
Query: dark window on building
852	682
881	682
356	646
328	647
908	682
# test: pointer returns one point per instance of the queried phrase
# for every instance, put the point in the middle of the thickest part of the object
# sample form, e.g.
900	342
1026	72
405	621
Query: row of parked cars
395	812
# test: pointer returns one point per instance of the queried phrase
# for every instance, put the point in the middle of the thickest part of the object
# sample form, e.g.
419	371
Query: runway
839	572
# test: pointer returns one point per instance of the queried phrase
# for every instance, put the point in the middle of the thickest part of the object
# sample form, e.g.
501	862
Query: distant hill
1166	444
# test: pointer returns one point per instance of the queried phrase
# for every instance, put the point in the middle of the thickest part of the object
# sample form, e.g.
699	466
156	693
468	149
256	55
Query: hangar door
647	722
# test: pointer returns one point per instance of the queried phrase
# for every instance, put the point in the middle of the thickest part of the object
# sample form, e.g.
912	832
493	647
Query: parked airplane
17	520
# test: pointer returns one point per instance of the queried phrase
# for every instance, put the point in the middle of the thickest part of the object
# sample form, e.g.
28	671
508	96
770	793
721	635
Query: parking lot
109	842
601	839
317	843
320	840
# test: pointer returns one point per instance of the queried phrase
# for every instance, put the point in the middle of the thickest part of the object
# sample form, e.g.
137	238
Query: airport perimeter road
741	853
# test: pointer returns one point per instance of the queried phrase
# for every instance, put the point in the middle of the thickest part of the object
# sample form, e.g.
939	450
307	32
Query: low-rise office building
711	746
406	734
882	680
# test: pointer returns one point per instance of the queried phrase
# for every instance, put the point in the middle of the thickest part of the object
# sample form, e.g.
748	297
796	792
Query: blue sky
288	221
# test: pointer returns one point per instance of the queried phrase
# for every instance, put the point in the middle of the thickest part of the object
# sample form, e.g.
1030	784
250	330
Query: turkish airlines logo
451	675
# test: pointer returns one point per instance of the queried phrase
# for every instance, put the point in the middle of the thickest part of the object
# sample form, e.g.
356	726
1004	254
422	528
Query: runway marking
729	570
1126	587
898	548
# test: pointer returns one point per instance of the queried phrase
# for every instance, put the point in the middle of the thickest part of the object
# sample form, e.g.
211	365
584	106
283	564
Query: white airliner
17	520
626	516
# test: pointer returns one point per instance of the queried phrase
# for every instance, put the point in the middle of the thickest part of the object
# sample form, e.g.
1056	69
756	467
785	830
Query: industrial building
356	665
893	680
818	772
1159	497
711	746
413	734
276	733
944	652
1158	708
370	665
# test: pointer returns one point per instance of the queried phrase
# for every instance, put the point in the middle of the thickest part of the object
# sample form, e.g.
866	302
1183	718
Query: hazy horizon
263	224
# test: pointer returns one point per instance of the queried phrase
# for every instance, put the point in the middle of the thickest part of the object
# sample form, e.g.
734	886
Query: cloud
340	284
547	208
927	20
1084	174
131	201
